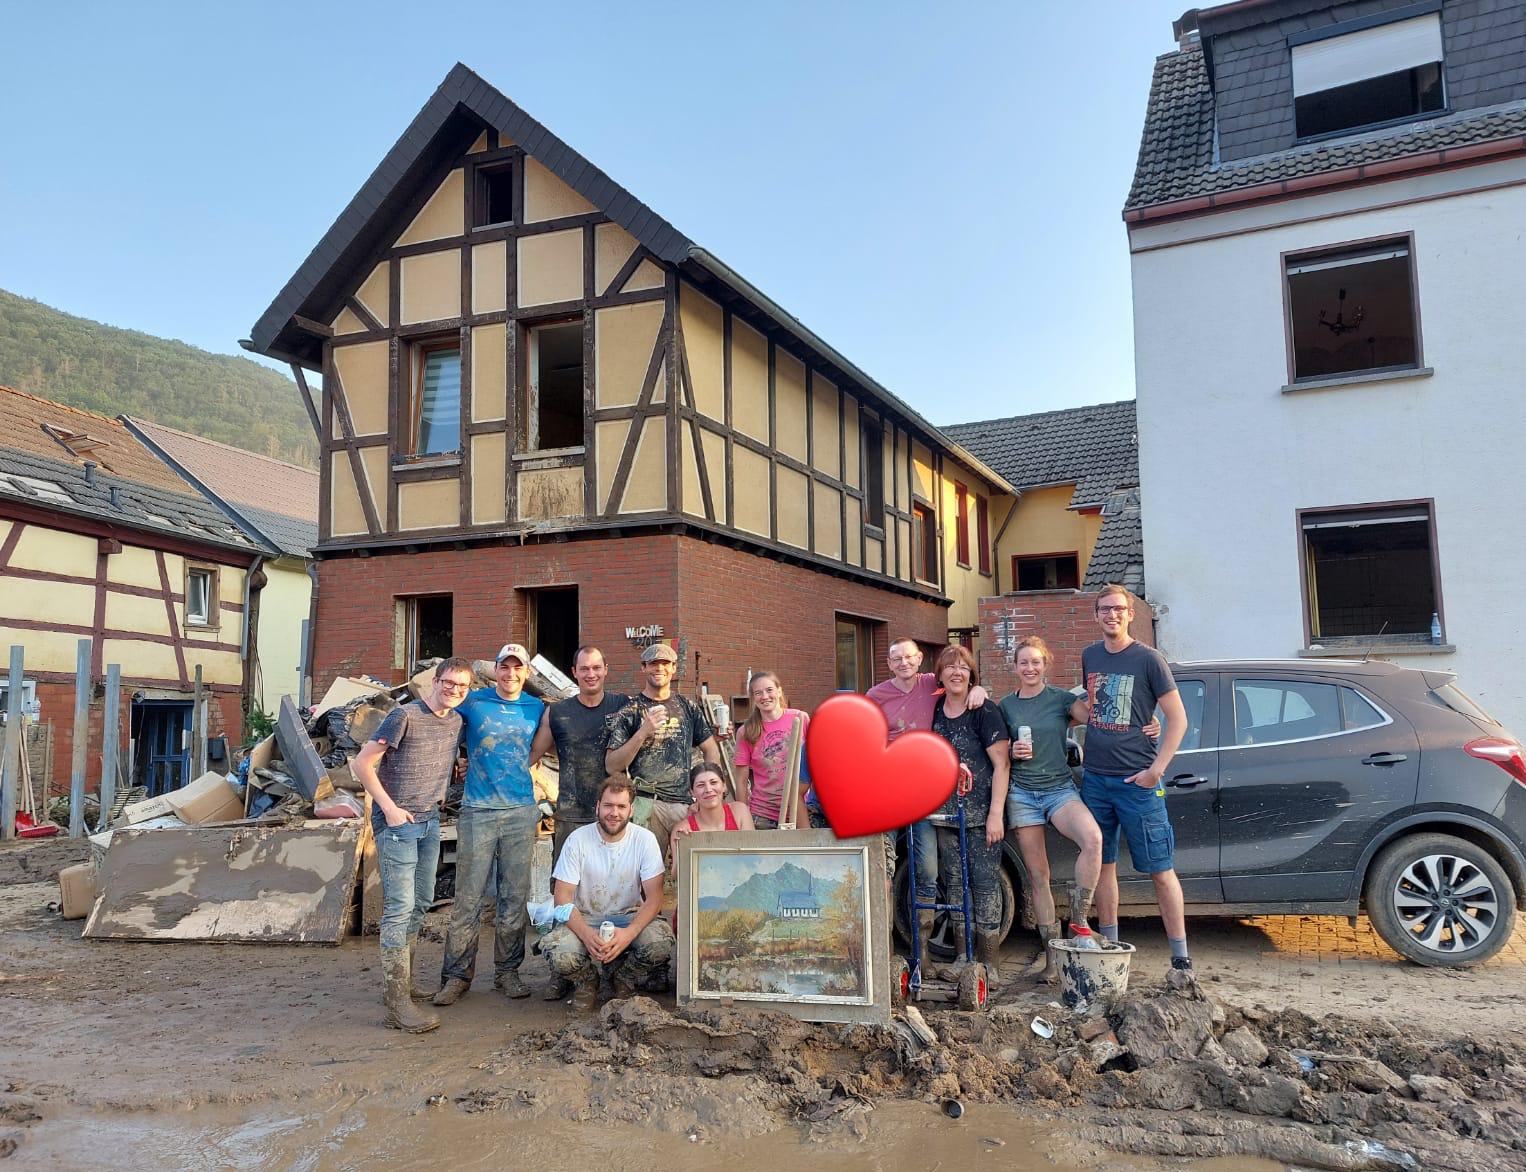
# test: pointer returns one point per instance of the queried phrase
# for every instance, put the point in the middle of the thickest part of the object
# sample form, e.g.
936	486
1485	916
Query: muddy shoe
418	989
450	992
1043	965
585	996
988	953
1180	976
559	990
511	986
402	1013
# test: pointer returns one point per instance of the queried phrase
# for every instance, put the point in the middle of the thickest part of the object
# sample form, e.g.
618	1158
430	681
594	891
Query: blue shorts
1034	807
1139	812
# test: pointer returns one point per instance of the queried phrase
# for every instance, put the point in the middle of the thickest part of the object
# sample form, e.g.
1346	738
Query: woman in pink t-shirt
761	749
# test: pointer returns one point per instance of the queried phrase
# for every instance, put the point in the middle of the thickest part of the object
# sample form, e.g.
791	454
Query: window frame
213	618
924	542
482	175
983	532
1331	252
874	501
1371	641
1230	743
1019	558
863	651
405	645
527	432
1362	24
410	415
962	526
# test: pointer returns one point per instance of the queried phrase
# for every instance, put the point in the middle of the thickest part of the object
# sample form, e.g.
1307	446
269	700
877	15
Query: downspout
996	543
254	582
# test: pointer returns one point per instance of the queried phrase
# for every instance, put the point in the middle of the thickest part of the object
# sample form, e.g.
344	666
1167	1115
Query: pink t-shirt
907	710
768	762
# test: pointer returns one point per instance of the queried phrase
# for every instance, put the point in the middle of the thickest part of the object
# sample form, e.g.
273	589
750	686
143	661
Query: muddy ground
1310	1049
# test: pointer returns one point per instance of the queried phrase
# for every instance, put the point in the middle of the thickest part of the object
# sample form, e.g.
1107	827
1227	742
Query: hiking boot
925	921
417	989
1043	966
1180	976
402	1013
451	992
560	989
988	953
510	985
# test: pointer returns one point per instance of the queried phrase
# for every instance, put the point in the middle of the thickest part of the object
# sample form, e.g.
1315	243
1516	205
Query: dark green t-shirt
1048	715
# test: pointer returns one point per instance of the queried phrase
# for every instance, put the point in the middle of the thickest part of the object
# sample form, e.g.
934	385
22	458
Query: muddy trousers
485	838
985	862
407	857
648	953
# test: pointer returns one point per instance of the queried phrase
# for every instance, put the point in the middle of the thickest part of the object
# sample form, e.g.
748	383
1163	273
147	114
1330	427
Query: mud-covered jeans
407	857
647	954
485	837
941	863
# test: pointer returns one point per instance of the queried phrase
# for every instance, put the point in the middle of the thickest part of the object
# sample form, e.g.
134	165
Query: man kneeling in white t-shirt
611	873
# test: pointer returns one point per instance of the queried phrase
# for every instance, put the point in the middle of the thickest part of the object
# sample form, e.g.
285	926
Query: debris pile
1156	1071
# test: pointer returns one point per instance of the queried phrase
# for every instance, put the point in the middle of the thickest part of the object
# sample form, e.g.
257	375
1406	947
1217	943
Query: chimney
1184	29
116	496
90	473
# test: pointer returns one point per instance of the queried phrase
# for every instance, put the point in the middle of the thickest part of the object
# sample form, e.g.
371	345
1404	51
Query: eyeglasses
454	686
1112	610
905	659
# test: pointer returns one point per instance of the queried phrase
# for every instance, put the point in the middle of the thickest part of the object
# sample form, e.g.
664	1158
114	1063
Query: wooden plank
297	750
239	884
82	687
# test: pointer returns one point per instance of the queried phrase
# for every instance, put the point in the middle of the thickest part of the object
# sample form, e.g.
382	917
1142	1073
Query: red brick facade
733	608
1064	619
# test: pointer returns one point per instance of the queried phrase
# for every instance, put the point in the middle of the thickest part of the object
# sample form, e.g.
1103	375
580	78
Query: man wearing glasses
497	826
1121	783
405	768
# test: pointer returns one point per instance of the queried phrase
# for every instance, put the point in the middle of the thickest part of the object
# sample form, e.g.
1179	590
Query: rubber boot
402	1013
925	921
416	988
988	953
1043	965
957	967
1080	905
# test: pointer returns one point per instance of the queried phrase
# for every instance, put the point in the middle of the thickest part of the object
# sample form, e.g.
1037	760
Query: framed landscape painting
791	920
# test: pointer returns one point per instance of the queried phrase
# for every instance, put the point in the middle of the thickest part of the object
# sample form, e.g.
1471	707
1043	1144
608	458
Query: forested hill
100	368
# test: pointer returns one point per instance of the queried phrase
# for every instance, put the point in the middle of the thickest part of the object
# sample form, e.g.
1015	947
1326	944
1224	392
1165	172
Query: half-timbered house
548	415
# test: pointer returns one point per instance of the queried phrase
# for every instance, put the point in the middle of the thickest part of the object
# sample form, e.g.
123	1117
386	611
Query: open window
1050	571
425	629
924	543
1361	77
874	471
493	202
1352	311
1370	572
200	596
552	414
433	423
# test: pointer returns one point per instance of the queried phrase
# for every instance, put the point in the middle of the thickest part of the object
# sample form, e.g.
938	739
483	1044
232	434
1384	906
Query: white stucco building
1328	238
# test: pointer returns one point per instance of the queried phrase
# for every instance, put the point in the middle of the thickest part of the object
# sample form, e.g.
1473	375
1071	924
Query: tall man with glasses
405	768
497	825
1121	782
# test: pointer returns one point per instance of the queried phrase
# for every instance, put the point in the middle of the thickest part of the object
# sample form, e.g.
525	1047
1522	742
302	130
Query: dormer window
77	443
1366	76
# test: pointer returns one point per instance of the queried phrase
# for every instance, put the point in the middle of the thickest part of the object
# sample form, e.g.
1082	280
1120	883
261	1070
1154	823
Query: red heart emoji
865	785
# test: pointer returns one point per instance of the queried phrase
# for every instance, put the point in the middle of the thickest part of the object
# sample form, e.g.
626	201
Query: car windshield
1459	701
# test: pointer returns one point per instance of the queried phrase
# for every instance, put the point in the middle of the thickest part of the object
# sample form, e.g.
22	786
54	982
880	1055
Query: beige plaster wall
444	214
489	382
825	431
489	290
431	286
40	548
489	477
550	268
546	493
547	197
789	405
374	293
363	371
1045	524
612	247
794	506
647	488
705	346
749	381
283	608
752	490
624	338
429	504
828	519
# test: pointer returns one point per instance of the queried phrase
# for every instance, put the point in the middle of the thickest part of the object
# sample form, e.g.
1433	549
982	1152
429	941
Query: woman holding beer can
1038	715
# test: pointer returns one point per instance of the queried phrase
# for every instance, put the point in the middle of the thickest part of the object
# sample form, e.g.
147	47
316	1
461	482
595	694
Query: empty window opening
1370	571
924	543
1055	571
1353	311
855	654
874	473
434	400
425	628
552	625
495	196
1368	77
553	415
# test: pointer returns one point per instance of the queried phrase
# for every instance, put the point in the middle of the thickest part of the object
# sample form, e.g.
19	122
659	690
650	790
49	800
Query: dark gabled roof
276	503
1093	448
37	470
1118	555
462	106
1176	156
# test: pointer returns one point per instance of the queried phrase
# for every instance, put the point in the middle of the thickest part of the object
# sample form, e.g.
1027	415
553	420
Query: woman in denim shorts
1042	790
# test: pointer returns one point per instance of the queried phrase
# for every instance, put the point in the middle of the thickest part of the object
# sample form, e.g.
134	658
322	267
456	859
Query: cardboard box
210	798
76	890
144	810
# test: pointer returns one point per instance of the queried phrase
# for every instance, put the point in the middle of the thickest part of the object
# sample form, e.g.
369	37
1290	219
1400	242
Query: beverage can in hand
606	932
1025	734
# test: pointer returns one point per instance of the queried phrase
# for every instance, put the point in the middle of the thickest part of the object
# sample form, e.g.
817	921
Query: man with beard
610	873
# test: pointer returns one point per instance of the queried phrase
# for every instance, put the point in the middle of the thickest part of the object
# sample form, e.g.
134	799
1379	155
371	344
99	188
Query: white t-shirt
608	875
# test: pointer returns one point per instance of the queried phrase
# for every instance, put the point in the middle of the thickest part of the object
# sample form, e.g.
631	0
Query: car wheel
1440	900
903	904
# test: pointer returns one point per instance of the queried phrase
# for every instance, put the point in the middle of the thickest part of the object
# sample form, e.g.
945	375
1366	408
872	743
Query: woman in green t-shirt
1042	790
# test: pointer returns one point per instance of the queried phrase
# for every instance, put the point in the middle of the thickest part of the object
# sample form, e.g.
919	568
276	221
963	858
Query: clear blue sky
935	189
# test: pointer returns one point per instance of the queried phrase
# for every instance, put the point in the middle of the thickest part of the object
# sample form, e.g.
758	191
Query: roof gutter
739	284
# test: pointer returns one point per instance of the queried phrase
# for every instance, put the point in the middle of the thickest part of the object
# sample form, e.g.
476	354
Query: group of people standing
629	790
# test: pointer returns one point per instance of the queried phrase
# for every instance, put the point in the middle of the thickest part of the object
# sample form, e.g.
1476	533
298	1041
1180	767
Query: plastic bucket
1090	974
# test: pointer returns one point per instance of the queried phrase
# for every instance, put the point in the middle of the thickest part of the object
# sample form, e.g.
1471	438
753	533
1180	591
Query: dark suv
1329	787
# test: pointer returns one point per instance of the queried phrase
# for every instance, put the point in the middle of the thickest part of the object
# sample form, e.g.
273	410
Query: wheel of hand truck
973	987
900	981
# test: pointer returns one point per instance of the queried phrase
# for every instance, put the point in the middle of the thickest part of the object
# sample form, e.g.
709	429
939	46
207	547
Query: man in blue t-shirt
497	825
1121	782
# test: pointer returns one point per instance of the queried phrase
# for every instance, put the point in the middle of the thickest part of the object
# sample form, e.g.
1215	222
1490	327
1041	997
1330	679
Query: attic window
77	442
495	196
1368	76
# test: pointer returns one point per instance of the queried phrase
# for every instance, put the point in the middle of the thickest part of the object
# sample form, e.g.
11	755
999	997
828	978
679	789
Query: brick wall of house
734	608
1064	619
